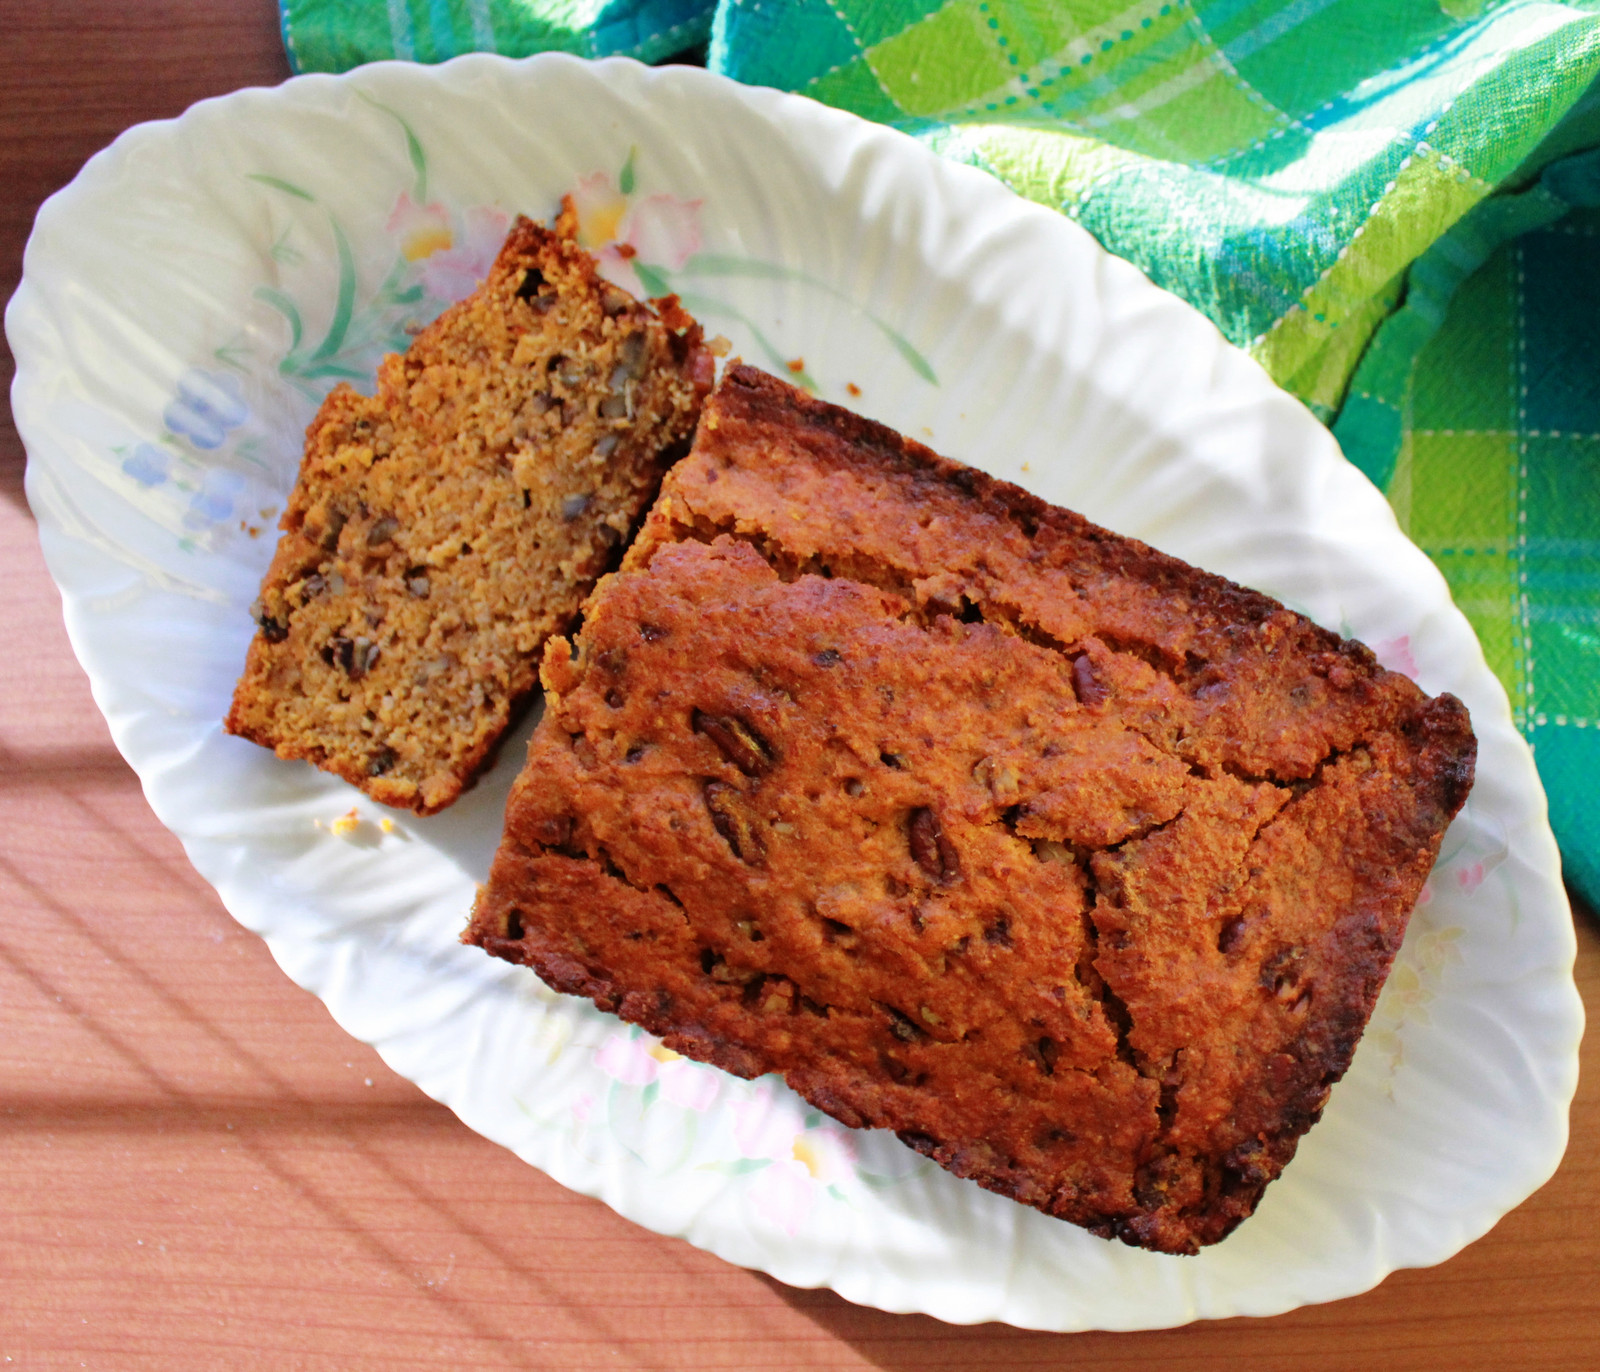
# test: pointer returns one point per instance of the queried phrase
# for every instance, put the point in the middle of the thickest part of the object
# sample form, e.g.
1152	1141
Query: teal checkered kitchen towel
335	35
1394	191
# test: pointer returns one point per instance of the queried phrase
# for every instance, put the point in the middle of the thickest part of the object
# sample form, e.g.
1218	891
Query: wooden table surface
200	1170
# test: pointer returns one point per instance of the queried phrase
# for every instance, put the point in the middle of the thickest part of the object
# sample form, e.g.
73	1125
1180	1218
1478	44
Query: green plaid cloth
1477	410
1394	191
335	35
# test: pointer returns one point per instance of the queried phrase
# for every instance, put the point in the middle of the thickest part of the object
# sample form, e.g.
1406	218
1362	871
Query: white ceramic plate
191	295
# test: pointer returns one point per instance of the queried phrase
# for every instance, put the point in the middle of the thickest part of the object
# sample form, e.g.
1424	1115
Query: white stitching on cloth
1366	219
862	52
671	31
1521	365
1331	101
400	31
1061	63
482	25
1228	69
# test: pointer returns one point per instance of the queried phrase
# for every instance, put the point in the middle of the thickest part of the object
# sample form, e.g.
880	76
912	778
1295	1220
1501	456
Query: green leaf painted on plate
713	264
716	264
647	1097
232	354
391	293
279	184
288	309
334	369
878	1181
653	279
280	251
703	305
737	1168
625	177
345	305
419	158
917	362
419	162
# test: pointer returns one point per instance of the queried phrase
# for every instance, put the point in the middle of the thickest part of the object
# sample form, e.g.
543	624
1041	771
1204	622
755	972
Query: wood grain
201	1170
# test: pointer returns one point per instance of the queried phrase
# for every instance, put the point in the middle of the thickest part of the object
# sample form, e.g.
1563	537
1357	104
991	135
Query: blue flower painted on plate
148	465
215	500
207	406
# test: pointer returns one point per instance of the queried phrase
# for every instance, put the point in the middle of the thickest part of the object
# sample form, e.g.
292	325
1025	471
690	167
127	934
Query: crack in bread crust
972	845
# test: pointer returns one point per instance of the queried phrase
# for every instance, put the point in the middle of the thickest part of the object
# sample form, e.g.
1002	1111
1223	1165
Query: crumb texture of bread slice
442	529
1079	868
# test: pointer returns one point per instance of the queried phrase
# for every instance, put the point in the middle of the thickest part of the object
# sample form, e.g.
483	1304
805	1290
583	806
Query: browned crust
750	399
1077	867
482	468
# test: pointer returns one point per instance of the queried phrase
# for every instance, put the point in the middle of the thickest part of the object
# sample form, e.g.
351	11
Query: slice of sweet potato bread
441	530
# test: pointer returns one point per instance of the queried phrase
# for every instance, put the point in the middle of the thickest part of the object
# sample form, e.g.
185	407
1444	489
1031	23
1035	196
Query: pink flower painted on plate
765	1123
454	272
583	1108
1425	896
600	207
1470	878
663	230
827	1152
422	229
640	1061
783	1194
770	1126
689	1084
658	230
1395	654
627	1059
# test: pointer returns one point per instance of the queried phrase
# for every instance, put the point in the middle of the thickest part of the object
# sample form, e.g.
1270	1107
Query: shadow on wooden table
151	1063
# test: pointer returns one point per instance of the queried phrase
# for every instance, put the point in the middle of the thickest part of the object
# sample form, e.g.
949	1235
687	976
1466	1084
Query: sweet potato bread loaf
1076	866
443	528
